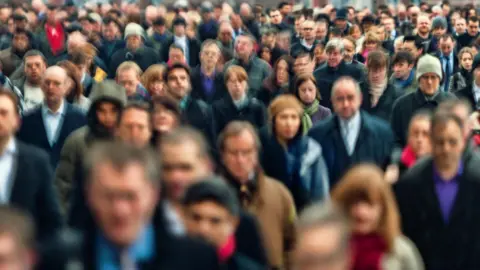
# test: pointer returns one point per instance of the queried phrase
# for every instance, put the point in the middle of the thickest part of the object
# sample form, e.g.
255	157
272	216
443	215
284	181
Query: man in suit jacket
25	174
438	200
49	125
209	84
190	46
448	58
351	136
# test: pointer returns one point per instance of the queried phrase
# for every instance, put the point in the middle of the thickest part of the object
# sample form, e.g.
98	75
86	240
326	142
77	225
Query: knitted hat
134	29
439	22
476	62
282	103
429	64
341	14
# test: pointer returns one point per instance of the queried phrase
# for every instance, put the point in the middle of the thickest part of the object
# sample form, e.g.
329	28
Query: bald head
75	40
54	87
346	97
56	71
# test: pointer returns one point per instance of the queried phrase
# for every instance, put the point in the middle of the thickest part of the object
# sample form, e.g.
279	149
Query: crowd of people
239	137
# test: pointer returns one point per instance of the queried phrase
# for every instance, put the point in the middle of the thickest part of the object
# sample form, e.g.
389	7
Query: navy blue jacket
375	144
33	130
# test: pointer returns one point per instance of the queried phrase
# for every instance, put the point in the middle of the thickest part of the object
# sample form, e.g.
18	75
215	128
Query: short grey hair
335	44
348	79
120	155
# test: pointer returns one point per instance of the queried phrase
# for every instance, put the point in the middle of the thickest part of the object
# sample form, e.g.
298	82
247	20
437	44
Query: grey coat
257	70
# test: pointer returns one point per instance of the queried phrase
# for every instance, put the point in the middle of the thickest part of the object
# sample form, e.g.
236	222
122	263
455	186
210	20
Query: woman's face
366	217
377	76
307	92
282	72
356	34
419	137
156	88
287	123
236	87
266	55
466	61
164	120
371	45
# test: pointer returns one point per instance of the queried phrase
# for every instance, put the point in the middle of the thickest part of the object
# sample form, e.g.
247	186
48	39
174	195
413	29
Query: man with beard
423	30
471	34
11	58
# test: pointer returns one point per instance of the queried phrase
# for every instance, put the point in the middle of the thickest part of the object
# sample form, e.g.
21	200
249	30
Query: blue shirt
446	190
53	121
207	83
450	63
143	249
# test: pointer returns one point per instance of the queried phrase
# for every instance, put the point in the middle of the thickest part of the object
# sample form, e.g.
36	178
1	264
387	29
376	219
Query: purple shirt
446	191
207	83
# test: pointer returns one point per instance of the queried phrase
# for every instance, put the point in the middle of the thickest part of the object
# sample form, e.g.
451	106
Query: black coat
199	115
465	40
299	48
32	190
224	111
406	106
456	66
33	130
241	262
443	246
144	58
326	76
198	91
467	93
193	51
384	106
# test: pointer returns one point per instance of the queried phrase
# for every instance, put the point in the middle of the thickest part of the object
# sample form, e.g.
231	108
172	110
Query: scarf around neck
310	110
227	250
376	91
368	251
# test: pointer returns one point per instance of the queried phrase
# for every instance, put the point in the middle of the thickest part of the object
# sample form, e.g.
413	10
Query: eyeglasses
307	29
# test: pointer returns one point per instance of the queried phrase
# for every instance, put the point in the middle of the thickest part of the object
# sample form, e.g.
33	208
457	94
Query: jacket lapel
430	198
41	127
18	179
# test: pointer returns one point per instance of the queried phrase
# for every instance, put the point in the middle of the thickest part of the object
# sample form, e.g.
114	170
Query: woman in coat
463	77
279	82
238	105
166	116
377	242
290	157
75	89
306	91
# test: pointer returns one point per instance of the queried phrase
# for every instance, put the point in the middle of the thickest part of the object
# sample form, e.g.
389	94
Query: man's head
225	32
104	109
350	46
447	139
460	26
75	40
335	51
179	26
128	75
176	54
299	19
244	46
54	86
209	54
123	186
239	146
134	35
135	124
423	24
341	18
462	109
275	16
429	74
322	30
9	115
402	65
20	41
473	26
304	63
236	21
447	44
211	211
323	239
346	97
389	24
413	46
111	29
419	133
398	44
439	26
17	240
159	25
269	38
185	160
285	8
377	65
309	32
34	64
178	81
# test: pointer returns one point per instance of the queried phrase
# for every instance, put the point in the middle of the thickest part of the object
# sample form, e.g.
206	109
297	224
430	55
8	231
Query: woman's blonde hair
153	73
366	183
371	37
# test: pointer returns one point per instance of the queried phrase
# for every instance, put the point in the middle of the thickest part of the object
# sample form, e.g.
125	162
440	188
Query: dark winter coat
199	92
144	57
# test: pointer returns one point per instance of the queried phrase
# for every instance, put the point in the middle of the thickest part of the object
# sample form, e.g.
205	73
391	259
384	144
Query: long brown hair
365	182
74	73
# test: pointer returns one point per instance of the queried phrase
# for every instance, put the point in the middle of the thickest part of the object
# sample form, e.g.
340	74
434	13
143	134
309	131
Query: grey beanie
429	64
439	22
134	29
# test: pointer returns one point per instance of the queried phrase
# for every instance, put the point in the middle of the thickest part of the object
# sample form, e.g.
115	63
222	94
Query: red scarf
368	251
408	157
227	250
476	139
55	37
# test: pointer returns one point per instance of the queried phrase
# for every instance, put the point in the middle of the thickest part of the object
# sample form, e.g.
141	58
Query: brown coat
273	206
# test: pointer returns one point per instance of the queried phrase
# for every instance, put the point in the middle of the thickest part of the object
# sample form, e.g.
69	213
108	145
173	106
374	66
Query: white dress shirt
7	159
350	129
174	221
476	92
182	42
53	121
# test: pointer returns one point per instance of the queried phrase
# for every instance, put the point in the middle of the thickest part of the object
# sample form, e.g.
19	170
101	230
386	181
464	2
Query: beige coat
404	257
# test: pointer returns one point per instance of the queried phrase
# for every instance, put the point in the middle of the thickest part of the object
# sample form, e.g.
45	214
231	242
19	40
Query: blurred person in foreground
438	199
212	213
323	234
377	242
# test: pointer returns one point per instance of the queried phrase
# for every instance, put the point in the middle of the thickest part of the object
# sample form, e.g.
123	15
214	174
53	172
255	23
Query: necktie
447	74
126	263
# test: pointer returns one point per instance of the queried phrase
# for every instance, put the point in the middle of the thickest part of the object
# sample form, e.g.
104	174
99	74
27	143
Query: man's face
34	69
460	26
401	70
236	21
179	30
107	115
346	100
20	42
423	25
210	221
175	55
243	46
21	24
298	24
110	31
419	137
321	30
269	40
447	45
240	155
389	24
135	128
182	166
380	31
473	28
438	32
341	23
129	79
349	50
334	58
178	82
448	144
409	46
225	34
122	201
286	10
309	31
276	17
86	25
9	119
209	56
303	64
320	248
429	84
13	256
134	42
54	86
